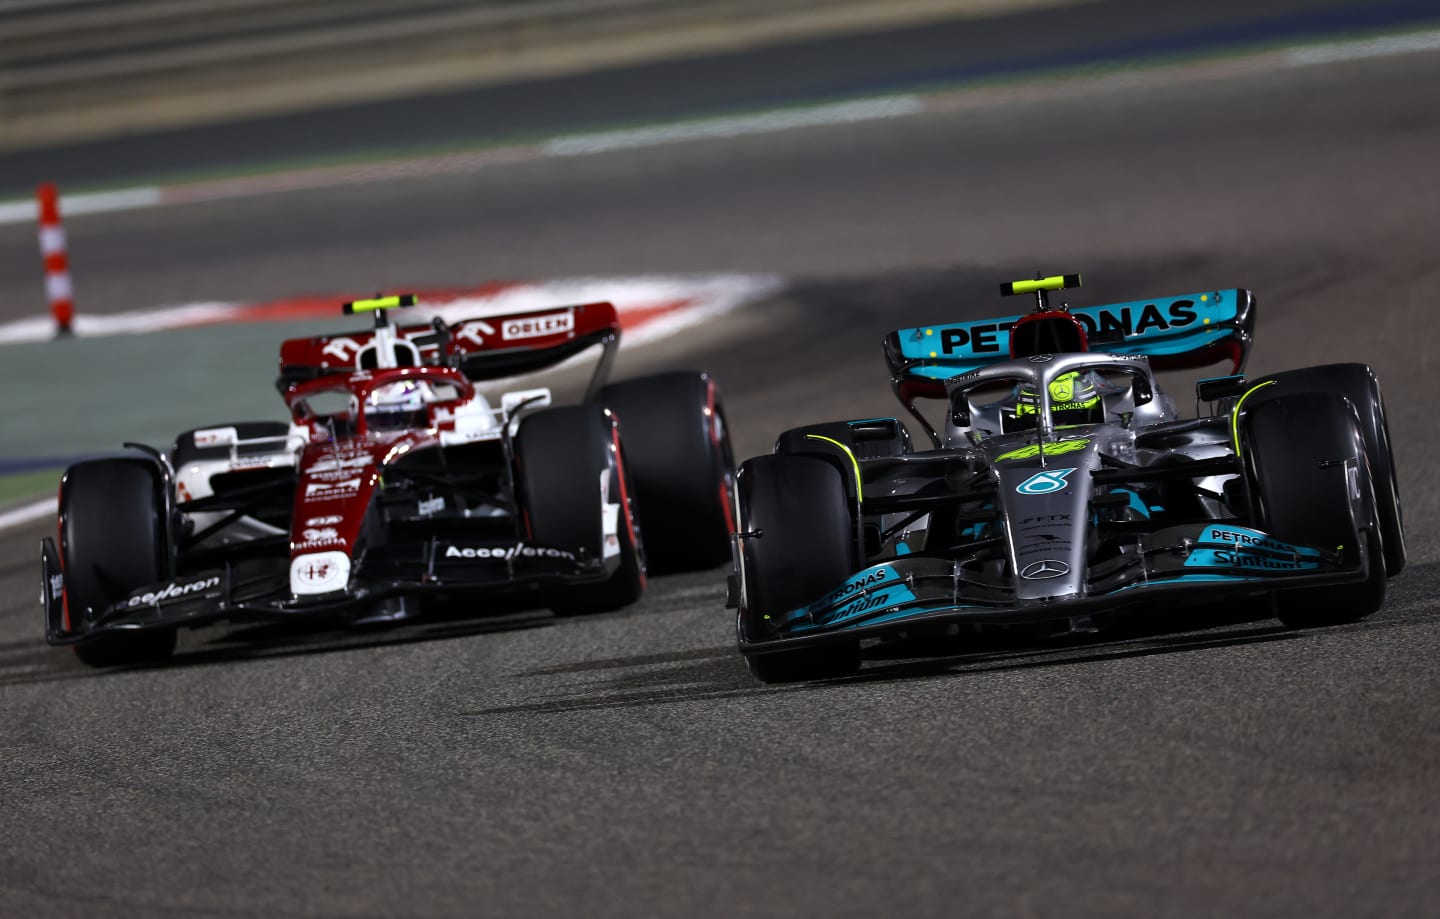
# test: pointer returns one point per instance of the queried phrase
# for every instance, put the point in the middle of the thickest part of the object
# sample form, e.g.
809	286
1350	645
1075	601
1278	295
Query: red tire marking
710	412
714	419
60	543
725	504
624	493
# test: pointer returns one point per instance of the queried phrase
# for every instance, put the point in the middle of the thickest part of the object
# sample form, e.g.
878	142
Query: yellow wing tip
1033	285
378	303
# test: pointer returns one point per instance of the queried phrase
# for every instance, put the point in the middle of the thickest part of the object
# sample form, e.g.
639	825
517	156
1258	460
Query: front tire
800	545
1301	449
112	543
1359	384
562	455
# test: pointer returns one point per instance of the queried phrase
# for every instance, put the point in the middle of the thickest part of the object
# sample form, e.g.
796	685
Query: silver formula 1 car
396	482
1063	489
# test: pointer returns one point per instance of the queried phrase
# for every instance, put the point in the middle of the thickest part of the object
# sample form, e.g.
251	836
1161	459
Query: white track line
1388	46
28	513
715	292
42	328
735	126
125	199
585	144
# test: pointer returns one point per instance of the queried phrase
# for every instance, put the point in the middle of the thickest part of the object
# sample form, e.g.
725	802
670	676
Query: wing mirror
1217	388
960	412
526	398
1141	390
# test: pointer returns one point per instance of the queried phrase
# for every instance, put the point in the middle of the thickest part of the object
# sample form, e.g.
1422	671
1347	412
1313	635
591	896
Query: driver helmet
398	405
1074	399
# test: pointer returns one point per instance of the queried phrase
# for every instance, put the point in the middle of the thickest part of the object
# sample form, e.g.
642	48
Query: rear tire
1300	500
678	449
112	543
805	547
562	454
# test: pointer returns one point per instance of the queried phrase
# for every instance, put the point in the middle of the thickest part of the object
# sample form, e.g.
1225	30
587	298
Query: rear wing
1176	333
483	348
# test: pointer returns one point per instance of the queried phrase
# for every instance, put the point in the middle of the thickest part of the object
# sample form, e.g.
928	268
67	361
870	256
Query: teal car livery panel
1189	330
873	590
1249	550
912	587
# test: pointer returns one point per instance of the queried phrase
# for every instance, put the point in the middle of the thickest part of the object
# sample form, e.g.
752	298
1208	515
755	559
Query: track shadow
642	660
1089	653
39	663
32	661
271	642
719	673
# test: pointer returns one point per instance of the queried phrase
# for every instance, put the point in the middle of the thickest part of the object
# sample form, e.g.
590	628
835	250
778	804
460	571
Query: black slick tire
113	542
678	449
561	455
1295	447
1359	384
799	546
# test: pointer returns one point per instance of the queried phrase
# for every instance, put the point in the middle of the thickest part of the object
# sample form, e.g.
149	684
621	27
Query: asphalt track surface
626	764
901	59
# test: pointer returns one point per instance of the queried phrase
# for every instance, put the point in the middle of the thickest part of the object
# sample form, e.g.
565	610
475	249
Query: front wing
1192	566
249	592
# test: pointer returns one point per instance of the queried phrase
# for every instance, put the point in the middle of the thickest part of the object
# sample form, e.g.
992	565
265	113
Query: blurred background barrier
77	70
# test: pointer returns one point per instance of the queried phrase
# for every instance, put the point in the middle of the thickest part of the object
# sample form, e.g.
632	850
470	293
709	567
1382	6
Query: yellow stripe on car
1235	415
859	496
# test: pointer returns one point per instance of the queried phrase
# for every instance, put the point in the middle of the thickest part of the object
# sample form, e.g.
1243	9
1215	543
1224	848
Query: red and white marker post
57	260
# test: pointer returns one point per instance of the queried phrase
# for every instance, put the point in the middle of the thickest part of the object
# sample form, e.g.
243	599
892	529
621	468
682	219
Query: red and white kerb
57	261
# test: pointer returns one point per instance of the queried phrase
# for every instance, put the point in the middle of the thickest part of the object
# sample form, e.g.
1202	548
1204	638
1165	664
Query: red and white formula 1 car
397	481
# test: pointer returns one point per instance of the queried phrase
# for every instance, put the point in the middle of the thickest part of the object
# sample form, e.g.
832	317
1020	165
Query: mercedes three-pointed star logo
1049	568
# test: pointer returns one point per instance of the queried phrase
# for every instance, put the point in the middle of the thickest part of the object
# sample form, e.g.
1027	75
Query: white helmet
398	405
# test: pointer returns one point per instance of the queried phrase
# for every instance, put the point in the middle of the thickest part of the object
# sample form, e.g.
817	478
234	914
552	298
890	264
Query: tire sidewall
114	538
562	456
678	450
1298	452
1360	385
798	507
